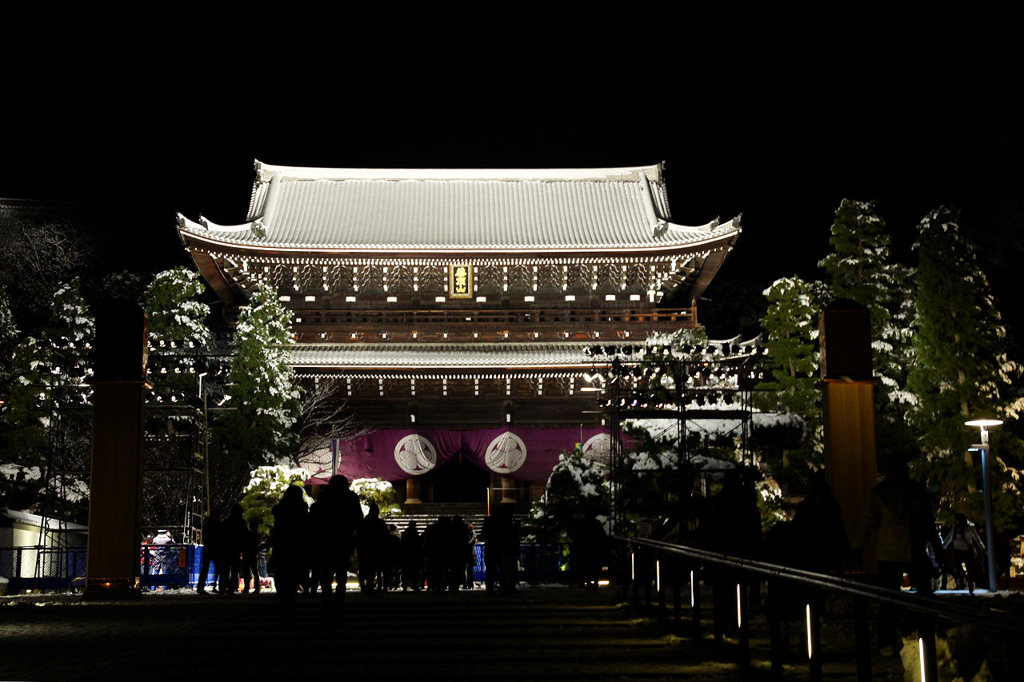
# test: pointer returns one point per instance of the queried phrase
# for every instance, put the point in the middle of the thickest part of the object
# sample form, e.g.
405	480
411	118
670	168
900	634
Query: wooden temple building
453	307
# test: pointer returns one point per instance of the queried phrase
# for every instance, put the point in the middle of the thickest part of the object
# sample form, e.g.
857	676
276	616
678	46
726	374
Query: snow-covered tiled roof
468	356
449	209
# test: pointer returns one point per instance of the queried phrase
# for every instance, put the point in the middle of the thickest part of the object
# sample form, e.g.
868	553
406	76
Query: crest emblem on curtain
598	448
415	455
506	453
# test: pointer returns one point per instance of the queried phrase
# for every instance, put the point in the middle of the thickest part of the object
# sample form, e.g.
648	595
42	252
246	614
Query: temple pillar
509	490
848	407
112	560
412	491
536	490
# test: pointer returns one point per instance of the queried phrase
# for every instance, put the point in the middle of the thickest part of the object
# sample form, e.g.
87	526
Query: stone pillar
848	390
112	563
509	491
536	490
412	491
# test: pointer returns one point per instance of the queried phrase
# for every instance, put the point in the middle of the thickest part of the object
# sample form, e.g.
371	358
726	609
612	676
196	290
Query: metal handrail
930	605
928	609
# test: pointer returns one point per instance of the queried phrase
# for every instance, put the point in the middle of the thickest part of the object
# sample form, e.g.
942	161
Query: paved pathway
537	634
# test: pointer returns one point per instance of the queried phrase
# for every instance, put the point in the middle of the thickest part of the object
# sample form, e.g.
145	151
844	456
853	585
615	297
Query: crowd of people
898	522
232	548
313	547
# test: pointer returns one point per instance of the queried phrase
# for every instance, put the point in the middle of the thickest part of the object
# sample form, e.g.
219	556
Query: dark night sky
778	124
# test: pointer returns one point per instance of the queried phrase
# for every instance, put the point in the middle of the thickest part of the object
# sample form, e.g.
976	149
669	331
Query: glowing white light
810	644
657	575
984	422
739	605
632	566
692	592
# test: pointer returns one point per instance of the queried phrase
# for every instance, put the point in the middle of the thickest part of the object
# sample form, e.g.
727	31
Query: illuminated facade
461	300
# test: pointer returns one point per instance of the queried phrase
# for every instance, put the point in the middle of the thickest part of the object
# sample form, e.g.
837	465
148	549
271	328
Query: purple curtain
521	453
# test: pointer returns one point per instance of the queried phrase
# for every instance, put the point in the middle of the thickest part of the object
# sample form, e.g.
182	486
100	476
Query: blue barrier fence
179	565
42	568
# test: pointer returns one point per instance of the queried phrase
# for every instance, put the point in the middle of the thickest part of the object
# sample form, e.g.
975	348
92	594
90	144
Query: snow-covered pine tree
8	334
47	405
257	428
962	372
860	249
178	334
860	268
178	351
791	326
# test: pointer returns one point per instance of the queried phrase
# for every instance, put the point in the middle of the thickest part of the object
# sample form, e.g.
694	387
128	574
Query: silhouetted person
336	517
587	549
819	537
289	538
234	535
900	517
250	557
732	527
432	550
393	559
412	558
964	546
371	540
213	554
470	555
501	549
163	556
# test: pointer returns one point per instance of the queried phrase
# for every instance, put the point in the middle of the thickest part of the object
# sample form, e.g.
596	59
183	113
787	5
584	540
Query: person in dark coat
900	518
212	551
470	555
964	546
588	544
501	549
819	537
412	558
250	557
393	573
234	532
336	517
371	544
290	539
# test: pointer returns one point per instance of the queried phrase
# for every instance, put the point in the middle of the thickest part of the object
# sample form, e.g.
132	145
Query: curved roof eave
265	172
196	231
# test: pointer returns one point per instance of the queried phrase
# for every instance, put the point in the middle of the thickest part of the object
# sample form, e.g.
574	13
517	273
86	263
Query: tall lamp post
990	548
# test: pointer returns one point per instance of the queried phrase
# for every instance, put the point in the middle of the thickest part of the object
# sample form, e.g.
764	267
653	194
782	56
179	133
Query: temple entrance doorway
459	481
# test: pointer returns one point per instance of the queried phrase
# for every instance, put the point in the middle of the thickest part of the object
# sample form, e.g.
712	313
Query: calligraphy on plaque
460	281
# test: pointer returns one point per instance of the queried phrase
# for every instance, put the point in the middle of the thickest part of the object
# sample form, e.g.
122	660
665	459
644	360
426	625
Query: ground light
990	545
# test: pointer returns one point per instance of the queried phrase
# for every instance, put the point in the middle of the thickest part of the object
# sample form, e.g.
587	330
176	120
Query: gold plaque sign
460	281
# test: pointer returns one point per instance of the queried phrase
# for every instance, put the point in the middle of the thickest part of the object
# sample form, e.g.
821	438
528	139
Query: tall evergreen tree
791	326
8	334
860	250
46	416
256	430
962	371
178	352
178	334
860	268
